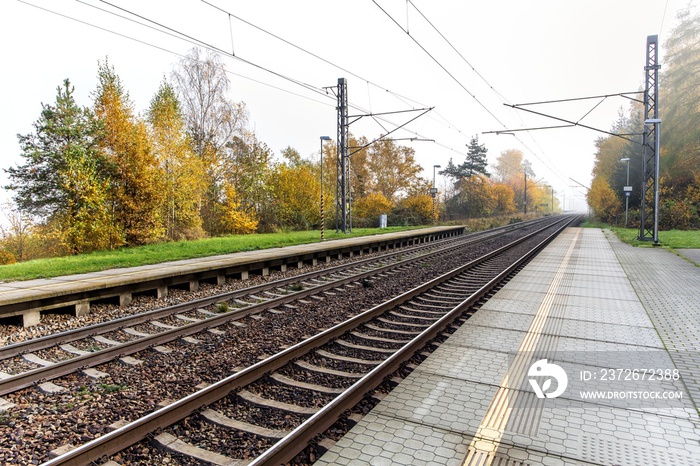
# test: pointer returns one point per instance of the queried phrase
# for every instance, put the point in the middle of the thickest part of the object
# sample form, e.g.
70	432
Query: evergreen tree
64	179
476	161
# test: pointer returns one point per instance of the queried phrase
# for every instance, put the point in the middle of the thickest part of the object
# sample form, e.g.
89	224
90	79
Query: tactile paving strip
449	394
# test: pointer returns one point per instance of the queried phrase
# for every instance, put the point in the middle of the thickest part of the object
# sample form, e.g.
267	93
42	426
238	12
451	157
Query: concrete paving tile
595	321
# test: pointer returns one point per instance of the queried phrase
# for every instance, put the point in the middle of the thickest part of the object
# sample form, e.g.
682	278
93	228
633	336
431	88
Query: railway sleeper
406	316
136	333
325	370
336	357
391	330
373	338
372	349
186	318
254	399
438	302
171	443
157	323
425	311
402	324
215	417
304	385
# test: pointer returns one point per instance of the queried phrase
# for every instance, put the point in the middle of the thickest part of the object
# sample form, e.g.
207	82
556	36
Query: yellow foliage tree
184	174
235	218
296	190
603	200
505	198
367	209
416	209
137	190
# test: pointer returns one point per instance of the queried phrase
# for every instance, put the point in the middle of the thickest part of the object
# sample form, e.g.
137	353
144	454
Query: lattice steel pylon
343	214
649	210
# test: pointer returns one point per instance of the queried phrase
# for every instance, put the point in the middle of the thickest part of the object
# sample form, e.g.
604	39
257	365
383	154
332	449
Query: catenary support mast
343	220
648	227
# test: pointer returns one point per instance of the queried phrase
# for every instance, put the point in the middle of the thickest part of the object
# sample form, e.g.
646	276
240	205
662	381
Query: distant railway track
318	379
192	317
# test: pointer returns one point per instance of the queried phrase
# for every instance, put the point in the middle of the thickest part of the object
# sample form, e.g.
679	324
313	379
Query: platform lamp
627	188
323	212
433	192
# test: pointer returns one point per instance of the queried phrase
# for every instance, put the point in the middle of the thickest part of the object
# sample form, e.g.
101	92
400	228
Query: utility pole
627	190
343	198
433	193
342	203
552	188
323	211
525	193
649	211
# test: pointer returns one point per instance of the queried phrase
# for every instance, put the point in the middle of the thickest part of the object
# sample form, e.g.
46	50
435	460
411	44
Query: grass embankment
672	239
164	252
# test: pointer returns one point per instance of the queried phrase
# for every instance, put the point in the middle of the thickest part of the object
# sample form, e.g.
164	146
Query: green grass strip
672	239
164	252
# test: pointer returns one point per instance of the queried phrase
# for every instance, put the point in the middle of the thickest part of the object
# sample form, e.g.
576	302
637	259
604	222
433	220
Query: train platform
589	356
27	299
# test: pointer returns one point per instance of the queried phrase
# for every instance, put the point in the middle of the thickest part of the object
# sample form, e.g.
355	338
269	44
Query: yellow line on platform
488	437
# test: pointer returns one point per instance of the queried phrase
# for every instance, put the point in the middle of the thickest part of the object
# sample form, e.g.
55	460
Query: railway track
305	388
96	344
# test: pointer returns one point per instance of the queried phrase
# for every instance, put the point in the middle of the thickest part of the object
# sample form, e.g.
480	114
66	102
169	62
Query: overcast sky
499	51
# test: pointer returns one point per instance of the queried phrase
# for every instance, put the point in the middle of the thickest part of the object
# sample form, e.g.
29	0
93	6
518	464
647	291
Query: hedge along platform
29	298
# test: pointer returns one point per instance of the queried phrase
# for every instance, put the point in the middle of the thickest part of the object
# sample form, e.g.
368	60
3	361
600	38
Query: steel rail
48	341
61	368
139	429
294	442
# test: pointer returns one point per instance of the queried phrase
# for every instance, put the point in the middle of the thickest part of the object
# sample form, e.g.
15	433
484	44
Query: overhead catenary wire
460	84
549	164
219	50
158	47
179	35
196	41
402	98
185	37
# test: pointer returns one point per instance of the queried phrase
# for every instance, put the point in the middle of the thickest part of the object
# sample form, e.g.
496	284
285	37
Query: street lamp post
323	212
552	205
433	192
627	189
552	189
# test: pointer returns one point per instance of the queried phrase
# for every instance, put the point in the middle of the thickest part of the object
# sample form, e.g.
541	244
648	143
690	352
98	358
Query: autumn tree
367	209
603	200
64	180
416	209
296	191
680	87
509	164
235	218
393	169
361	178
214	123
248	164
183	172
473	198
136	183
504	197
15	235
